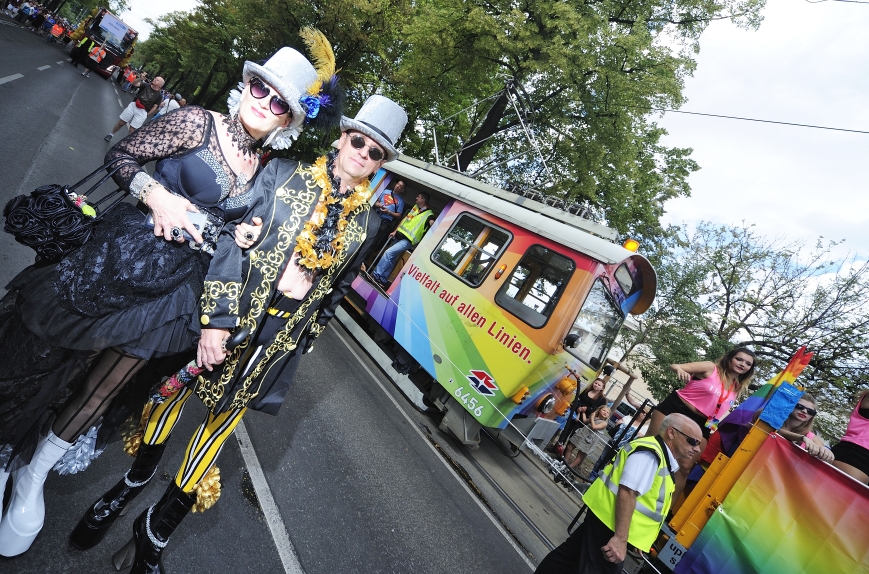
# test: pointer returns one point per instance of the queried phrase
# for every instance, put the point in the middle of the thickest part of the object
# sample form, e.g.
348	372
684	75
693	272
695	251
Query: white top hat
382	120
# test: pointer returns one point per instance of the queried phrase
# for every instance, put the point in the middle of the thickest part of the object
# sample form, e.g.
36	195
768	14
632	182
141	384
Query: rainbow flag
787	514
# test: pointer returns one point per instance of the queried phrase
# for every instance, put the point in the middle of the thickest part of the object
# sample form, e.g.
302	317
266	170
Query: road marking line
40	68
451	470
10	78
267	502
59	62
120	104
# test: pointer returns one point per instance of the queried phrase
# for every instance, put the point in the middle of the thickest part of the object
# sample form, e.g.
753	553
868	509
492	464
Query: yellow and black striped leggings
205	444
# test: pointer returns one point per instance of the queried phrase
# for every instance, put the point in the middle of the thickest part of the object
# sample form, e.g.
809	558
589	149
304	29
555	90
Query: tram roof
565	228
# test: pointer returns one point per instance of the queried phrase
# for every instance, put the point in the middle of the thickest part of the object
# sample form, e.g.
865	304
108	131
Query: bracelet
142	185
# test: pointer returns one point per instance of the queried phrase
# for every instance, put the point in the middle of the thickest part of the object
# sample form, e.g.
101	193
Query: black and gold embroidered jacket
240	285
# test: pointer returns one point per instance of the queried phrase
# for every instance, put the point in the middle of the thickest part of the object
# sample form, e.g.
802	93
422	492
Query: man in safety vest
409	233
56	32
81	51
96	56
628	502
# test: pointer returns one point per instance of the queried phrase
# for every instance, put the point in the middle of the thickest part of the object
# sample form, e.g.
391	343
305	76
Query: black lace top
191	162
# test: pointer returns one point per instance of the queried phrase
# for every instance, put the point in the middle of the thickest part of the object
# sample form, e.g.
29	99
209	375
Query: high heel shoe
26	513
97	520
151	531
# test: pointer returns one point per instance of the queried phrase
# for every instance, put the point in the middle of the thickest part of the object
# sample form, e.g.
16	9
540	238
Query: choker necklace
242	140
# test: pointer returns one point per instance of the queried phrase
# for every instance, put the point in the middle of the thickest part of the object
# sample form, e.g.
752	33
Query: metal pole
435	136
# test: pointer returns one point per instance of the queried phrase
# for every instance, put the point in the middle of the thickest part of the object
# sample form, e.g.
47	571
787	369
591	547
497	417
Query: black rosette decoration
14	204
49	201
68	223
48	221
19	218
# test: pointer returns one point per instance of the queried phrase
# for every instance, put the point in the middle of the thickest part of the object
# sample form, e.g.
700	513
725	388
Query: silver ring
176	232
248	236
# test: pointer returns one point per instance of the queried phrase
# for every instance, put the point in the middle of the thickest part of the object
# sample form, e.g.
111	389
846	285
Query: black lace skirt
125	288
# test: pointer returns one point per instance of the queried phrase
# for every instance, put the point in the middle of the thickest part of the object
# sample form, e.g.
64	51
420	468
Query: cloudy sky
806	64
153	9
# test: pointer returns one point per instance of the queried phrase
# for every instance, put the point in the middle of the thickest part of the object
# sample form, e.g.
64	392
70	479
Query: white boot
26	512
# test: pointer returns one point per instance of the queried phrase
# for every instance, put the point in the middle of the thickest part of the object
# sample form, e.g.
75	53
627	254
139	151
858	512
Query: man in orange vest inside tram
408	234
95	57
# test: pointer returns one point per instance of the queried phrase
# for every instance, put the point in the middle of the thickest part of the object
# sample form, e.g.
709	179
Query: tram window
624	279
597	325
470	249
535	285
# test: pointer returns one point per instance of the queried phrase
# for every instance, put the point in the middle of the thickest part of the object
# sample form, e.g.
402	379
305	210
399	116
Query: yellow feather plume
321	52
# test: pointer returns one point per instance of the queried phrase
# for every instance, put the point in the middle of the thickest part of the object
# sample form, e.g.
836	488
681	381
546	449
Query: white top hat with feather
312	93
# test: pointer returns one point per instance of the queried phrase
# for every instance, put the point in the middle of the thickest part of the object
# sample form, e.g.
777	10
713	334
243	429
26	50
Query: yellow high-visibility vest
652	507
413	224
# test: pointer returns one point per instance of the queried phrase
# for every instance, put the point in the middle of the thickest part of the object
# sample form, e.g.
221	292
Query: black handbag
49	221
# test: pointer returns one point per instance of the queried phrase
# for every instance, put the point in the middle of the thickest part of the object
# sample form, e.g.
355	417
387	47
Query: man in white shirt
628	502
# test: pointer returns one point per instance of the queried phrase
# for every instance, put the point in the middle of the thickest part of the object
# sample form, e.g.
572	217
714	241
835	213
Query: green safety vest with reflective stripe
413	224
652	507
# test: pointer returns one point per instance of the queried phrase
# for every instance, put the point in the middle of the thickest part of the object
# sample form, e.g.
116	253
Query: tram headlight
546	404
631	245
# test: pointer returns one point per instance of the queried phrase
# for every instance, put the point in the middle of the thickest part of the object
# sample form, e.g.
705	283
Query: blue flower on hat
312	105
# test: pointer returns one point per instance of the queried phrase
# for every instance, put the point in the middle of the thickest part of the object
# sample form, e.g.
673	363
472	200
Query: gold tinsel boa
132	433
308	237
208	490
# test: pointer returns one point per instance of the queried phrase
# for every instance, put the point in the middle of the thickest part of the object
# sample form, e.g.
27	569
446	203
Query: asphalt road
356	474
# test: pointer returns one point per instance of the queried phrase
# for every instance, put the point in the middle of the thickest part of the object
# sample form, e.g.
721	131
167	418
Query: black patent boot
151	533
95	523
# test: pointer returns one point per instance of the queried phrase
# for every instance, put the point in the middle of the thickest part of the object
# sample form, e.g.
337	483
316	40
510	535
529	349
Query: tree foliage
720	287
579	77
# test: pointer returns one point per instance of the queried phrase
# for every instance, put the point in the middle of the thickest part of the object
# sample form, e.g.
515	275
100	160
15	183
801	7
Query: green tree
721	287
580	78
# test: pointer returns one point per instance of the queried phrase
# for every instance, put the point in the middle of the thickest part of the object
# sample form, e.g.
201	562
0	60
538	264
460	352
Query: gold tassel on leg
132	433
208	490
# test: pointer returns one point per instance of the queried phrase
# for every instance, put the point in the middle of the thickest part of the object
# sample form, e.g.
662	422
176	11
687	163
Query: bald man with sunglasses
628	502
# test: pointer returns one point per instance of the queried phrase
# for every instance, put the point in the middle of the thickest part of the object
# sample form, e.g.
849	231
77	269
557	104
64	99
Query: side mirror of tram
572	341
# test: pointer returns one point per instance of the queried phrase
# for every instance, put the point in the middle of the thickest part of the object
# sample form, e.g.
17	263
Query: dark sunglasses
691	440
358	142
799	407
259	90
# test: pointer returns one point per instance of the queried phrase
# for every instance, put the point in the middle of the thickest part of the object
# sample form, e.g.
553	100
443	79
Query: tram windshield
534	287
597	325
